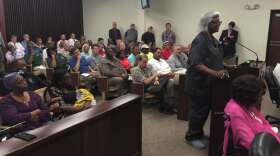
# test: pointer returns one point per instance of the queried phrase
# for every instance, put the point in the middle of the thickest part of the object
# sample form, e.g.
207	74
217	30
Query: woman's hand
35	115
221	74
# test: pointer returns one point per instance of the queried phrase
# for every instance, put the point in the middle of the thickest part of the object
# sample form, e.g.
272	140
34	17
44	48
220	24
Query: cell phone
25	136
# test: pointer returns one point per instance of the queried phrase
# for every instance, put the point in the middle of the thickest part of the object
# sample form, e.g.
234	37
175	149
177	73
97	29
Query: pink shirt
245	124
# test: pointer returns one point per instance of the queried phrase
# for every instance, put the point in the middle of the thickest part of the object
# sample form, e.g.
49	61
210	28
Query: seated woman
245	120
55	96
21	105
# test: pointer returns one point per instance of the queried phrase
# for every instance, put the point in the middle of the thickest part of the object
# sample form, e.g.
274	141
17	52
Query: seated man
16	44
14	57
178	60
124	61
159	65
155	83
167	50
21	105
77	62
162	67
95	58
145	50
111	68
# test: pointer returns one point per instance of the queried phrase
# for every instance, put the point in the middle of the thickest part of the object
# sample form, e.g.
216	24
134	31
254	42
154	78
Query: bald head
114	24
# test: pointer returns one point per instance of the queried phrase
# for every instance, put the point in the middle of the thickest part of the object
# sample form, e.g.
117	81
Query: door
273	43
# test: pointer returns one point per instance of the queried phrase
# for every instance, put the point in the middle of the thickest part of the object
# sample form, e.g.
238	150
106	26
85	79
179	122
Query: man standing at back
115	33
168	35
131	35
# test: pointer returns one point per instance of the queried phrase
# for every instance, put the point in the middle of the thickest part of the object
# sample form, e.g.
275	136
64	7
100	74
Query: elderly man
115	33
155	83
204	66
178	60
110	67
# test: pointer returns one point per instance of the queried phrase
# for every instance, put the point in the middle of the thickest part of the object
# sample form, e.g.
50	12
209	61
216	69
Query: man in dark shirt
149	37
228	39
115	34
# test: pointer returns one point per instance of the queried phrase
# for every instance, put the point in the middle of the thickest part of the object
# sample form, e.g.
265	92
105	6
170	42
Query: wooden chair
50	72
103	85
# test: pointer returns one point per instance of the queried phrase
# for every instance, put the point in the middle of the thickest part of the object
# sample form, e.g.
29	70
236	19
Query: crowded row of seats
69	75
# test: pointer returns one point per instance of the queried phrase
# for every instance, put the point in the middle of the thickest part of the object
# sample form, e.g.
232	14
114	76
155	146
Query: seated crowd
30	95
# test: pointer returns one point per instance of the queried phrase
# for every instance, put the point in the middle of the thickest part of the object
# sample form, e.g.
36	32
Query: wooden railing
111	128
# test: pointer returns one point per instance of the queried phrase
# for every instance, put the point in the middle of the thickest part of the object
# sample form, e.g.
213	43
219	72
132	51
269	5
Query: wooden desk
112	128
221	93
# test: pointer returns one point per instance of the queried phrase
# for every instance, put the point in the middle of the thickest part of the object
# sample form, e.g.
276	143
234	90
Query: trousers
200	108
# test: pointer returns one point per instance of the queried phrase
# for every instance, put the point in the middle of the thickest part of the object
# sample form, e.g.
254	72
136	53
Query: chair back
265	144
272	84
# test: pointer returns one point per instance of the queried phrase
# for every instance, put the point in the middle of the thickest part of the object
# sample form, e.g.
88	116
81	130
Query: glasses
218	22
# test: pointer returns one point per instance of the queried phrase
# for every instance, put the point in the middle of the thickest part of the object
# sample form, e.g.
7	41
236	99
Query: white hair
206	19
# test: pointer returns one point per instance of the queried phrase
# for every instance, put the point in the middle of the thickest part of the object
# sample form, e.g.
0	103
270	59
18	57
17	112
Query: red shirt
125	63
165	54
102	52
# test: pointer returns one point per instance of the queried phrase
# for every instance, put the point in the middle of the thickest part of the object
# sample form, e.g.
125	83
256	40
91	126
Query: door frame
272	12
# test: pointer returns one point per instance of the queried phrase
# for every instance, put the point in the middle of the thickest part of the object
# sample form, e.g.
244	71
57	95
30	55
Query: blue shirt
132	59
83	64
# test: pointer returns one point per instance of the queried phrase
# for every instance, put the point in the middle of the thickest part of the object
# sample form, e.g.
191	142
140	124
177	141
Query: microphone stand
257	60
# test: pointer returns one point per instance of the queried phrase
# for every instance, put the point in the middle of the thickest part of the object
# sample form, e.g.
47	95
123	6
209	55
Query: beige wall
99	14
184	16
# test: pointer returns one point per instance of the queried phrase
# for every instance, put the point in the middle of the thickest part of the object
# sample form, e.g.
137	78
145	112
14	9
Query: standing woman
205	64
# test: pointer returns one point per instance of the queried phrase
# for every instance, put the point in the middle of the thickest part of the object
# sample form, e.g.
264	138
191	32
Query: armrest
75	77
50	72
137	88
29	68
102	84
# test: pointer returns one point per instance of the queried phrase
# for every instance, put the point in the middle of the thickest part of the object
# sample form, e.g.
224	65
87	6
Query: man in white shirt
159	65
18	47
72	40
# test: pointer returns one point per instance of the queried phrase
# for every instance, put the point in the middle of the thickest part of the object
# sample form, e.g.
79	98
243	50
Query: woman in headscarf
205	64
21	105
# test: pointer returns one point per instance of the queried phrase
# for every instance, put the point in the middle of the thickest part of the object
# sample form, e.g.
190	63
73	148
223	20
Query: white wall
99	14
184	16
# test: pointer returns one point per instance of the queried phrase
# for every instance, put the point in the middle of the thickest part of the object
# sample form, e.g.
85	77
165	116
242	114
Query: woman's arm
243	134
11	115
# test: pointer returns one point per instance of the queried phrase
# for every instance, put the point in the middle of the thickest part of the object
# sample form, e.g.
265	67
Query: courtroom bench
111	128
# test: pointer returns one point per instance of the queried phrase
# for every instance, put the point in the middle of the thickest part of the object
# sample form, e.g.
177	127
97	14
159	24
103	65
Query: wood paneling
111	128
42	18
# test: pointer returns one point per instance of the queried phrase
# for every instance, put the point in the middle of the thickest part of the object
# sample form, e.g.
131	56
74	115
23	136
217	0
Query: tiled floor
163	135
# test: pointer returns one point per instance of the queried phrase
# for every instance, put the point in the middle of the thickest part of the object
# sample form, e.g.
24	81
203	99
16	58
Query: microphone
257	60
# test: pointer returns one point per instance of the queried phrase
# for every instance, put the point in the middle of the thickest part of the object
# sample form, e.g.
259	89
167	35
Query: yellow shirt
150	55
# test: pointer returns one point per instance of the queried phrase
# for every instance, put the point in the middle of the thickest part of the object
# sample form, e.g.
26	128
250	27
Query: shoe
198	144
